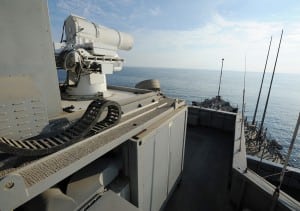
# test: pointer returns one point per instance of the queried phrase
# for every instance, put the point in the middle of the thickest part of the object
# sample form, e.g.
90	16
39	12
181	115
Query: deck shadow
207	165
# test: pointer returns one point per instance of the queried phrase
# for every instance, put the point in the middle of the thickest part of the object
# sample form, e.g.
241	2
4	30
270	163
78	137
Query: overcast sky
196	33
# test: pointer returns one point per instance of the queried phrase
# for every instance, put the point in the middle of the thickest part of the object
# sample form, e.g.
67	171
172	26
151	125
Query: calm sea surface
195	85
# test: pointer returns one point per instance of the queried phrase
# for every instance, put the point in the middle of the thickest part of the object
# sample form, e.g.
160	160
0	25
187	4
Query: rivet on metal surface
9	185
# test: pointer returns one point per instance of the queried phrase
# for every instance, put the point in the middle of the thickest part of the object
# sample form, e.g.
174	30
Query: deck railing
248	189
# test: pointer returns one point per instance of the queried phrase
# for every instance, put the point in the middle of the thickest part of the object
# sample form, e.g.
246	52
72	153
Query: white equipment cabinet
155	161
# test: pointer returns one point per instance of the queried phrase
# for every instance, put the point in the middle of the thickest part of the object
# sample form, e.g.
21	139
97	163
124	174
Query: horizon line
209	69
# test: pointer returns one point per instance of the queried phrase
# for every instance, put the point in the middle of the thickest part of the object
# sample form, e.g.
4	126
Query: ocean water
196	85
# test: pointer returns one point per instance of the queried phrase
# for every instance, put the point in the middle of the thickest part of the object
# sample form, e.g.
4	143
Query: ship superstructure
85	145
66	146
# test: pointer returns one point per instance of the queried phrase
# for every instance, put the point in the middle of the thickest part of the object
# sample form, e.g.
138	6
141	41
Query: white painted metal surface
103	40
88	53
90	84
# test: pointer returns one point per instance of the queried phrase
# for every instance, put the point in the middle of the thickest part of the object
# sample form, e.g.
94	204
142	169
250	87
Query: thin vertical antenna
277	190
243	106
63	32
220	78
262	81
266	105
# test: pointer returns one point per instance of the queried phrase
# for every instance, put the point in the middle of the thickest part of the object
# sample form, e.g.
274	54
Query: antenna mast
262	80
267	102
218	96
277	190
243	106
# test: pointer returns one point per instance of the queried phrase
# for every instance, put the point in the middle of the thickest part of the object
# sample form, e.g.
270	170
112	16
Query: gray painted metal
176	148
271	172
212	118
121	187
152	84
204	183
52	199
155	161
112	202
92	179
22	108
131	100
40	175
249	190
26	38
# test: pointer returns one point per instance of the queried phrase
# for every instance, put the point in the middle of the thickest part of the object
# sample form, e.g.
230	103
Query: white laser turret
88	53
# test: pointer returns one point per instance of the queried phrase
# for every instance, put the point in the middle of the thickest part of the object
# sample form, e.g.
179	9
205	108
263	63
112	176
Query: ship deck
207	165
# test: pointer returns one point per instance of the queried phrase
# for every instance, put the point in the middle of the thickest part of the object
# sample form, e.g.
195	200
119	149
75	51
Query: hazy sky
196	33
